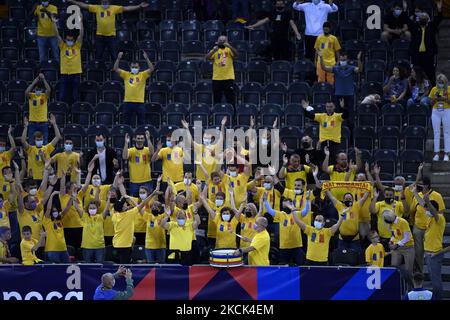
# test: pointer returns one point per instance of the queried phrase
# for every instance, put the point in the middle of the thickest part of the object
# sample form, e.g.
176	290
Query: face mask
69	42
219	202
298	191
187	181
305	145
343	63
428	213
233	174
33	191
221	46
280	8
45	3
267	186
33	205
68	147
51	177
100	144
169	144
348	203
39	143
226	217
105	6
92	212
38	92
264	142
181	222
185	206
397	12
134	70
419	188
142	196
96	182
326	32
255	227
423	22
388	222
418	13
55	214
248	214
206	142
440	85
316	2
398	187
317	225
2	149
389	200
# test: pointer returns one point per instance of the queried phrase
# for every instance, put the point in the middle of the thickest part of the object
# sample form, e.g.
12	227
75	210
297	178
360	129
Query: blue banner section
172	282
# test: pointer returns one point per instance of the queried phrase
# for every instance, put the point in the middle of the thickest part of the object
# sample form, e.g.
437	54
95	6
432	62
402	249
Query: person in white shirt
105	160
316	13
419	293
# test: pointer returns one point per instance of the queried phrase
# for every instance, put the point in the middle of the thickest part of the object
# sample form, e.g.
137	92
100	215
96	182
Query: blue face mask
69	42
181	222
397	12
2	149
343	63
68	147
169	144
105	6
267	186
255	226
100	144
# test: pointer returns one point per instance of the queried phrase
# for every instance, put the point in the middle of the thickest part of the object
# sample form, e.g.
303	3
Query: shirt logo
137	159
55	226
1	215
152	224
169	156
313	237
34	102
4	188
374	257
285	223
221	228
242	226
33	217
321	238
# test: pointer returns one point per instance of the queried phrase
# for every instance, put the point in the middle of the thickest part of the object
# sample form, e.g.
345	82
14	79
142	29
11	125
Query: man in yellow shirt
134	83
29	246
67	161
328	46
46	35
139	162
5	254
6	155
292	170
70	63
38	94
258	250
39	153
223	55
105	15
172	157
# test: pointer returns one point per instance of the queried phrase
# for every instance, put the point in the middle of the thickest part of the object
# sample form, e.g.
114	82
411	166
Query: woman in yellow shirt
440	100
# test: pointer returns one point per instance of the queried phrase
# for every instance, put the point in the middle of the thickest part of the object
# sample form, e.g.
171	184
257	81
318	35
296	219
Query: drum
224	258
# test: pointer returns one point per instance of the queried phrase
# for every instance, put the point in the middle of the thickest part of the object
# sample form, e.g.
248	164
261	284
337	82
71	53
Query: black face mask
221	46
112	200
389	200
422	23
348	203
388	222
419	188
287	210
185	206
248	214
280	8
305	145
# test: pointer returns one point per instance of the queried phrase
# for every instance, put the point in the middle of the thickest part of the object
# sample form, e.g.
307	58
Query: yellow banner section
350	186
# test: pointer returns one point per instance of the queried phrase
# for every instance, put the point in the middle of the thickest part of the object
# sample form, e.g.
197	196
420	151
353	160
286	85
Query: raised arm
211	53
334	228
373	203
58	136
31	86
107	205
149	63
211	212
331	197
87	181
50	204
358	159
258	24
269	209
283	170
116	64
363	199
137	7
368	174
316	178
62	184
12	142
125	147
376	171
326	161
167	213
40	243
155	156
58	36
23	138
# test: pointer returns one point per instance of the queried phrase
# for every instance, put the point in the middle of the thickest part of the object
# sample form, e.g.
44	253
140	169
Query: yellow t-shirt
55	240
93	234
106	19
155	238
206	155
28	256
172	163
330	126
290	235
139	165
38	107
273	197
350	225
67	162
380	206
409	198
108	225
134	85
44	22
398	230
70	58
375	255
247	229
35	162
213	189
291	176
335	175
89	195
318	243
435	234
223	68
212	227
181	237
239	184
421	219
4	214
441	92
189	216
328	45
225	238
32	218
364	211
71	219
181	187
139	220
260	256
299	201
124	228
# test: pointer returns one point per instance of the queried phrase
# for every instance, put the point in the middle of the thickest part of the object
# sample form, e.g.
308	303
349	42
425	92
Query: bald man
105	291
258	251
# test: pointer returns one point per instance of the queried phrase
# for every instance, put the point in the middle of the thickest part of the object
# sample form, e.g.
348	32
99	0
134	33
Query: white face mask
206	142
39	143
298	191
142	196
267	186
100	144
398	187
55	214
33	191
51	177
96	182
233	174
69	43
318	225
2	148
264	142
226	217
38	92
428	213
187	181
105	6
181	222
92	212
45	3
219	202
134	70
68	147
169	144
343	63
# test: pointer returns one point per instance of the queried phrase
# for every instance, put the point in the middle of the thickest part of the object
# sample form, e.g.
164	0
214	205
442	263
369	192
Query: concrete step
445	285
439	166
440	177
446	241
445	273
446	201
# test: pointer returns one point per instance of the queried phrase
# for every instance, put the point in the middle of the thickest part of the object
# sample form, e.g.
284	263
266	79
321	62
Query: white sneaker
436	157
446	157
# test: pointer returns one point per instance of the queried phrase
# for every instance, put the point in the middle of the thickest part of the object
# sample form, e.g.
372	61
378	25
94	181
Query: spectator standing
29	246
316	13
134	83
396	24
327	47
6	155
396	86
222	56
258	250
440	100
172	159
105	160
279	38
46	35
419	87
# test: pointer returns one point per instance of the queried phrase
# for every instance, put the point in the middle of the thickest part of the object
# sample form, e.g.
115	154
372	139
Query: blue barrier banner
173	282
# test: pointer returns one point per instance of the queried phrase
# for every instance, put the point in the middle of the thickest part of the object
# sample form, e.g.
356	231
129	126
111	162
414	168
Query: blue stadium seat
213	25
392	115
112	91
417	115
389	138
270	112
363	137
170	50
299	91
145	30
374	71
165	71
89	91
187	71
378	50
182	92
291	136
257	71
294	115
175	112
105	114
82	113
11	113
60	110
410	161
153	114
304	70
244	112
118	135
159	92
280	71
16	91
194	49
203	92
414	138
150	47
367	115
78	135
371	88
219	111
276	93
251	92
387	160
322	92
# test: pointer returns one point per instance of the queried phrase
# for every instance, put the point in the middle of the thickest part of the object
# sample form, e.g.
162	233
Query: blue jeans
58	256
355	245
434	266
68	91
240	9
102	42
425	101
37	126
134	187
130	108
91	255
155	255
43	43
